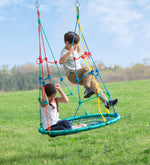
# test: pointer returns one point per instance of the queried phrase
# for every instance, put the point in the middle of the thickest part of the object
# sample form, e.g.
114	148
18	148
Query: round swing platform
92	121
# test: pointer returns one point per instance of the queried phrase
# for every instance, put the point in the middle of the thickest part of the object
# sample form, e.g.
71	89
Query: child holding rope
50	112
87	81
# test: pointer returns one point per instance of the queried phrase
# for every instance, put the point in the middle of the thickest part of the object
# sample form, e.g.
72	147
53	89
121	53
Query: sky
117	32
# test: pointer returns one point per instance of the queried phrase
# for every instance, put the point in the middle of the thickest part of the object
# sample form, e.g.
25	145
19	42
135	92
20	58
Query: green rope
51	50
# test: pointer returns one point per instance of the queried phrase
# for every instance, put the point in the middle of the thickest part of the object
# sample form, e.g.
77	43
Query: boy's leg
88	81
84	81
93	86
72	77
108	104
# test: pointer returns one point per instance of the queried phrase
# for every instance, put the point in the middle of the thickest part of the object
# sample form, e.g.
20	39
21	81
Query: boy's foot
88	92
111	103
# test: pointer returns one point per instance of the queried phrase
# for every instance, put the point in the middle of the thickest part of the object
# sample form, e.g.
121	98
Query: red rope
86	54
41	61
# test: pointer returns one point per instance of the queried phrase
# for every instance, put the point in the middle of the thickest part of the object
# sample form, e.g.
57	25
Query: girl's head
50	91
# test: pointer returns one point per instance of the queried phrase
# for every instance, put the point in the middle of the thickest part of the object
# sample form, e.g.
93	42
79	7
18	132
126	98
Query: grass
126	142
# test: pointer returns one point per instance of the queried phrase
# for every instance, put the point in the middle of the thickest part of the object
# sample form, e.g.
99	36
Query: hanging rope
87	57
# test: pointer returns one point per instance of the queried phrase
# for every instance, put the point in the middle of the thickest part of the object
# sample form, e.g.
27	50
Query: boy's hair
50	89
69	37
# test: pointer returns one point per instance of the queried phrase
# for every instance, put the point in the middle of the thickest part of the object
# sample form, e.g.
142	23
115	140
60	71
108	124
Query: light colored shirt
53	115
69	65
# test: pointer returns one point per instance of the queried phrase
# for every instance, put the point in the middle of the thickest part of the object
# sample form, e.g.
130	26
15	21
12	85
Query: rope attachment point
37	4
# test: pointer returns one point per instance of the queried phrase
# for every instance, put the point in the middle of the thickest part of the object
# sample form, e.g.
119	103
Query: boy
87	81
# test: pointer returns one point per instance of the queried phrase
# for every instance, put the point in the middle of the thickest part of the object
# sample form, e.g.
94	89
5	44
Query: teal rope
59	69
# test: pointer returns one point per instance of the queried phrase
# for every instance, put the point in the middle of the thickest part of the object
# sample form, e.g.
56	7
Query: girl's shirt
53	115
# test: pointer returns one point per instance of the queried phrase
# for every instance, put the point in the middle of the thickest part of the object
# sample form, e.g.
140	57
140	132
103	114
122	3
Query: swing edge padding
76	130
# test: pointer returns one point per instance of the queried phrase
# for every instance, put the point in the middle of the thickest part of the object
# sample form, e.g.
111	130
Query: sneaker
88	92
111	103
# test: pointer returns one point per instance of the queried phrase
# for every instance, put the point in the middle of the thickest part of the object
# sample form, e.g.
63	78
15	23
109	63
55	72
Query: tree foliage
26	77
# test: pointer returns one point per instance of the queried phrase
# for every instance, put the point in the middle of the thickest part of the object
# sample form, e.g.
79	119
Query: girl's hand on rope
41	87
58	87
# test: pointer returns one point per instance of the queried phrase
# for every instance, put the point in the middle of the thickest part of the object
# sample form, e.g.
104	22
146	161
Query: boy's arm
63	98
63	59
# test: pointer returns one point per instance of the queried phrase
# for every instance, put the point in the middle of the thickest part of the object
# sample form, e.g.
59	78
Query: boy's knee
87	69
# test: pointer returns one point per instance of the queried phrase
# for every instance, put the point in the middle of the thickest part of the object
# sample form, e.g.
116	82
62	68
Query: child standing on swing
50	112
87	81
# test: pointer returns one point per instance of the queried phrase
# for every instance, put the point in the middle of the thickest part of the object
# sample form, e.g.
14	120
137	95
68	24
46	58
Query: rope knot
74	58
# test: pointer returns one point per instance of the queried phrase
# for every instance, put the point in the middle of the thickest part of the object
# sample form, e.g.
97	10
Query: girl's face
52	97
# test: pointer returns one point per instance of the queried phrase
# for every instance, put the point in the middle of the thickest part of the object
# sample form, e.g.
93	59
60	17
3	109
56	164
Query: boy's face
68	45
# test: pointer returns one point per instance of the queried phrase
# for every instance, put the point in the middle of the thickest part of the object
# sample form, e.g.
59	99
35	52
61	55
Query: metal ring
77	3
37	4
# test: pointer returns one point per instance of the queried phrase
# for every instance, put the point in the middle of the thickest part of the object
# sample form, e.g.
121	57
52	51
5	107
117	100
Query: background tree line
26	77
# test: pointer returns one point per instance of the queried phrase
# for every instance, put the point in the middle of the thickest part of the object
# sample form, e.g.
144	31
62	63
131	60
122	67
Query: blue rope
77	79
98	72
84	75
75	114
95	65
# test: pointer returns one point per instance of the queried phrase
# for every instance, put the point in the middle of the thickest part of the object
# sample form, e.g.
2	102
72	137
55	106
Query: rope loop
40	60
86	54
46	59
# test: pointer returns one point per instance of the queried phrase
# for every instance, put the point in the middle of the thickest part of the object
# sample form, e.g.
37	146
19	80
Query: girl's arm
63	98
44	96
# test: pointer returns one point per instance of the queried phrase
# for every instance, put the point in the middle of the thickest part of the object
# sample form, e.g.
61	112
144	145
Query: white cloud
146	32
13	19
60	5
142	2
9	2
2	18
117	17
44	8
3	4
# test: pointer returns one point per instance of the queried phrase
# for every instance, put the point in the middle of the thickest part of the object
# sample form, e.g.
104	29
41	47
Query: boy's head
68	37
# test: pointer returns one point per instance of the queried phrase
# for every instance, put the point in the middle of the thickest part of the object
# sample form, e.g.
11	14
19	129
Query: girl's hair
50	90
69	37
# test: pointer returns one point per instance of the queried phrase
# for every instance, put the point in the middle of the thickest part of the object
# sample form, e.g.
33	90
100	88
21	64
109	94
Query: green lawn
125	142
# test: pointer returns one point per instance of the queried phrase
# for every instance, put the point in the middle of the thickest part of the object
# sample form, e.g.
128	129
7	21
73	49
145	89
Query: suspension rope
41	64
87	57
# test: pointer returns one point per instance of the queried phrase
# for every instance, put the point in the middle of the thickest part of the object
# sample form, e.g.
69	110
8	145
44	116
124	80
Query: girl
50	112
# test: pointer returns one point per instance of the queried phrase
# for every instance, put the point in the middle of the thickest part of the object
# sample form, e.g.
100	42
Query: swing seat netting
92	121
